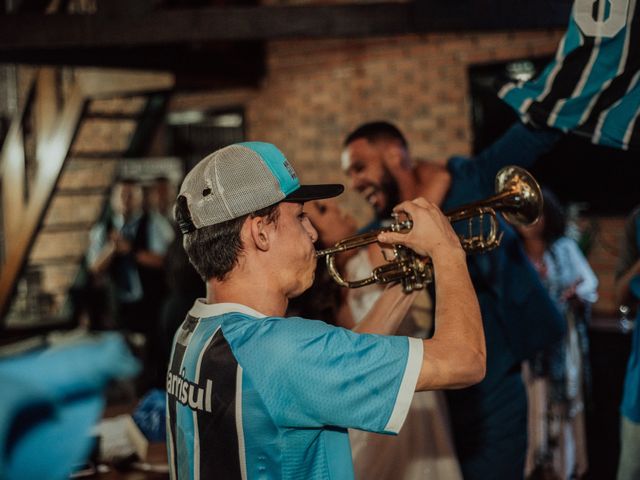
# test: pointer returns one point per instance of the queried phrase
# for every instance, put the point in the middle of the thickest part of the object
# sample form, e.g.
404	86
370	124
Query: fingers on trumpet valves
431	229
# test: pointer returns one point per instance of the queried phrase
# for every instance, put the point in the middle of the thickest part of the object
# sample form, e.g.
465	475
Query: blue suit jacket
519	317
526	313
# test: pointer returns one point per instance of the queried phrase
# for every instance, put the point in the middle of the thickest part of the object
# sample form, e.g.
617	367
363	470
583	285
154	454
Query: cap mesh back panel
243	180
250	185
193	186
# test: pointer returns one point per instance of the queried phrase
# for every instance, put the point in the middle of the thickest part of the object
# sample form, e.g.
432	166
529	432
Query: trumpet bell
518	198
526	200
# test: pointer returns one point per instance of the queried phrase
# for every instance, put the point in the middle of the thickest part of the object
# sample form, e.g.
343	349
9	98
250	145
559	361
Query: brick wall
315	92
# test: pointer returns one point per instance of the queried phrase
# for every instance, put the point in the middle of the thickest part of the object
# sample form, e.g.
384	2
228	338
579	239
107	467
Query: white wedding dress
424	446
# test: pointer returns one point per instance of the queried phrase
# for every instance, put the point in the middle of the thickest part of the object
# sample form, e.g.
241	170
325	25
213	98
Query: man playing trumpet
252	394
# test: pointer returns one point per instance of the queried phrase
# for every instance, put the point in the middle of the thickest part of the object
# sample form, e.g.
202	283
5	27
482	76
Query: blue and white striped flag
592	87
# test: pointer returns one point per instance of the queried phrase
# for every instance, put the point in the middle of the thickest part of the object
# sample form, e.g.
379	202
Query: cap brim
307	193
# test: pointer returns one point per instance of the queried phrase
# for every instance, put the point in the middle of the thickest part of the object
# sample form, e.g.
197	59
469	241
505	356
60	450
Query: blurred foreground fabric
51	399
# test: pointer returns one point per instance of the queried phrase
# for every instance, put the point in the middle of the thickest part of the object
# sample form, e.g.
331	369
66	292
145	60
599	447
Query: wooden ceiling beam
230	62
191	26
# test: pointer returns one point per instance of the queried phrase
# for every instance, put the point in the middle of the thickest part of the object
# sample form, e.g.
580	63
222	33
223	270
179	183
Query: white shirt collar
201	309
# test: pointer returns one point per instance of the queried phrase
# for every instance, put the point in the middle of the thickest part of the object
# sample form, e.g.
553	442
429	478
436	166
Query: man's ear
396	156
260	233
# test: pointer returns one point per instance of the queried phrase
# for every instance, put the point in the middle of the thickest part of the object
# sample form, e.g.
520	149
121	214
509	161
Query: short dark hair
214	250
555	220
374	131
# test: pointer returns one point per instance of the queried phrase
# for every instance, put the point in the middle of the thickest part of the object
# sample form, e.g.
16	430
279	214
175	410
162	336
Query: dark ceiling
225	40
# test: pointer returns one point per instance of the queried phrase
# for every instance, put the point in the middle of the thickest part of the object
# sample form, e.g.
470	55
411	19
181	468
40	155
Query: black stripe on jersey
181	341
619	86
634	140
565	81
218	436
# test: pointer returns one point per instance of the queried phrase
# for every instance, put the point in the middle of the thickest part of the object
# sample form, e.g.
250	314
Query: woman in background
557	378
424	447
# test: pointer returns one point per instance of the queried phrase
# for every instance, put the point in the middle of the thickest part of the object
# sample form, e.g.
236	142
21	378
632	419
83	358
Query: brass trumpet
518	198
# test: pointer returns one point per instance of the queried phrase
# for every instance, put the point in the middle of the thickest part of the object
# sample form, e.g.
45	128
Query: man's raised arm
455	356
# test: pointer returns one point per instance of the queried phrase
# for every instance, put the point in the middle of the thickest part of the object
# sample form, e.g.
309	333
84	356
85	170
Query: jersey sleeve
310	374
519	145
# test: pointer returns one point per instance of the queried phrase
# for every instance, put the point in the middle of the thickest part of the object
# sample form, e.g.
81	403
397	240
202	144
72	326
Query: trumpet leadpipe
349	243
331	251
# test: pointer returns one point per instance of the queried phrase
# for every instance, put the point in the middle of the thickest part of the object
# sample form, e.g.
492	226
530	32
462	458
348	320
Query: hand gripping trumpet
518	198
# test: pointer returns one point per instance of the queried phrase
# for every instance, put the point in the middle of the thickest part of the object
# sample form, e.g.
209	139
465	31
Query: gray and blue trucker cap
240	179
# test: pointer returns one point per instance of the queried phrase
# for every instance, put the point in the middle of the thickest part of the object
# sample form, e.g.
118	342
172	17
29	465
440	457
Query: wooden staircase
57	164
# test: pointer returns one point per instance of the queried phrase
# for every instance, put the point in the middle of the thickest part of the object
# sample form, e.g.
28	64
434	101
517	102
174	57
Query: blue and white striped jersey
250	396
592	87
